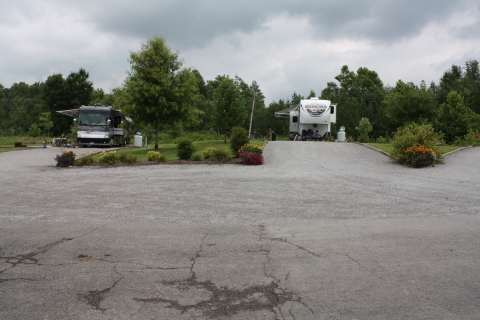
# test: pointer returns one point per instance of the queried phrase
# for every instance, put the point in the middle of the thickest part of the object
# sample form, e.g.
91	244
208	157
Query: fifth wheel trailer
311	119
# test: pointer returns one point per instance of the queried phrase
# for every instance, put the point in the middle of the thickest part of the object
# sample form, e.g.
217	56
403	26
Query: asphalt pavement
320	231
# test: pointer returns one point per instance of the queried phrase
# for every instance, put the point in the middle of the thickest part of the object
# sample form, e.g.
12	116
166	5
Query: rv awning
71	113
285	113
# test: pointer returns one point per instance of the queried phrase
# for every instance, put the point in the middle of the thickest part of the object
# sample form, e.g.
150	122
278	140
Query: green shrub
128	158
155	156
413	135
468	140
208	152
185	149
364	128
220	155
197	157
238	139
109	157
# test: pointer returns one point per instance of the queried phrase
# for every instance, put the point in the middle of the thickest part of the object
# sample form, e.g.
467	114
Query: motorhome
98	125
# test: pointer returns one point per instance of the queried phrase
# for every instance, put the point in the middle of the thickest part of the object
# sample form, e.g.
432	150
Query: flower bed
420	156
66	159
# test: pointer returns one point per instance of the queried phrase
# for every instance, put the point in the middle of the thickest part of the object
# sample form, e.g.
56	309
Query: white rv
311	119
98	125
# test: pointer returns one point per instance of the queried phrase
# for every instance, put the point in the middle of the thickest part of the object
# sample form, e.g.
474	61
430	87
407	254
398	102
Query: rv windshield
93	118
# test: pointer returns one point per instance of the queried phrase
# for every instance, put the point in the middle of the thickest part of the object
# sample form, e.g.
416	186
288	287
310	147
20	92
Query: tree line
160	95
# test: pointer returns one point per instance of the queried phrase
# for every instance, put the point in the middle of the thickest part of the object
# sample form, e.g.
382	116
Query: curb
264	144
449	153
381	151
446	154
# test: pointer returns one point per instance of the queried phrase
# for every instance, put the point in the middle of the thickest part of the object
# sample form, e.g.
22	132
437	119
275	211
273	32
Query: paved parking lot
321	231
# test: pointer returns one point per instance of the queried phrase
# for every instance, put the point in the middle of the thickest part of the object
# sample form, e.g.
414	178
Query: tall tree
409	103
455	119
158	90
34	131
45	122
64	94
296	98
229	102
357	95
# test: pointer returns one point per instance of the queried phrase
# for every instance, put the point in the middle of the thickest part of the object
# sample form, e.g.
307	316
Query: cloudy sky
285	46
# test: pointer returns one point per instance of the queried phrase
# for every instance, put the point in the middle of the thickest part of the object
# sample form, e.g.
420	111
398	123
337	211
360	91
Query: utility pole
251	117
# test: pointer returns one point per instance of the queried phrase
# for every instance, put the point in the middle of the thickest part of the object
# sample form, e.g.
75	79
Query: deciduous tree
158	90
229	102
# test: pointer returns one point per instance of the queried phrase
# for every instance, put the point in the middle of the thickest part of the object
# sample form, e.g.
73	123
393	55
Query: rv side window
332	109
295	119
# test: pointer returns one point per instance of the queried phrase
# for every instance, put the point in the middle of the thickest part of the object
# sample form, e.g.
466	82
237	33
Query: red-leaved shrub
251	158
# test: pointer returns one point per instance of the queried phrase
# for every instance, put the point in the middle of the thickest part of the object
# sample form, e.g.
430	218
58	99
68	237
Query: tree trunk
225	136
156	134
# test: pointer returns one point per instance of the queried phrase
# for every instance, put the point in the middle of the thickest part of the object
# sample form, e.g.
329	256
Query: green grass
169	151
10	147
388	147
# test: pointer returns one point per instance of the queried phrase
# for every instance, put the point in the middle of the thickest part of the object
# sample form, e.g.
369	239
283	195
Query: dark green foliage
20	107
229	100
357	95
455	120
158	91
63	94
407	103
238	139
413	135
185	149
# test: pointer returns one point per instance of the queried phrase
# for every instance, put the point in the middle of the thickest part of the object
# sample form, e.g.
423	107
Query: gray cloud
284	45
188	23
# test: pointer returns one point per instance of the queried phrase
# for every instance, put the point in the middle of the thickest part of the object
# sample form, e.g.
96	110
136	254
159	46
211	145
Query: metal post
251	117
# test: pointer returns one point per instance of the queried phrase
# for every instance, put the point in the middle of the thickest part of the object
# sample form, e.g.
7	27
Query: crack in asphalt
358	263
29	258
225	302
95	297
277	281
222	301
293	244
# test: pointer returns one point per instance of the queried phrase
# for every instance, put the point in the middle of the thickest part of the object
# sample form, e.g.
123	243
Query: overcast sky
285	46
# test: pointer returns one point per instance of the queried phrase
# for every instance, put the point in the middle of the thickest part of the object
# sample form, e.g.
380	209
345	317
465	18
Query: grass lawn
10	147
169	151
388	147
